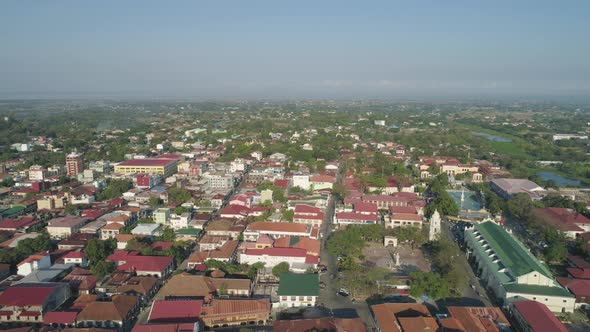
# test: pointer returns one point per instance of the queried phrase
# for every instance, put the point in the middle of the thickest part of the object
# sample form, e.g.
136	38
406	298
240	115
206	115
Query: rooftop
306	284
539	317
511	252
175	311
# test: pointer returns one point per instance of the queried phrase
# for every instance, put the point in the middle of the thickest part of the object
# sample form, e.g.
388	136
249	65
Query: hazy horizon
262	49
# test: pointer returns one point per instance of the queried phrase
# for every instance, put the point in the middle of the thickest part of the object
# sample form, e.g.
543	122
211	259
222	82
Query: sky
294	49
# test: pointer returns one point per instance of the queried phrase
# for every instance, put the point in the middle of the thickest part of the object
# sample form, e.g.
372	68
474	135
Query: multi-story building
298	290
74	164
162	216
63	227
510	271
29	302
159	165
220	181
236	312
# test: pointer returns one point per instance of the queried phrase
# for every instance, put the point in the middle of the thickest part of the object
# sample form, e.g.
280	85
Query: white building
434	230
220	181
297	258
40	261
298	290
301	181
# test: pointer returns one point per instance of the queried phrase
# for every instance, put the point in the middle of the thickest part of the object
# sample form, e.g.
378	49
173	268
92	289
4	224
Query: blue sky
319	49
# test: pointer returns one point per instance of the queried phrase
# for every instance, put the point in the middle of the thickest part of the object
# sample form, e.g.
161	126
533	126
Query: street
336	305
473	293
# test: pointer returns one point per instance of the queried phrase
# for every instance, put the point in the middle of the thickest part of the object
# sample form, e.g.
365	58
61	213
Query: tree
288	215
180	210
253	269
71	209
102	268
280	268
179	195
154	202
520	206
556	200
428	283
98	250
168	235
115	188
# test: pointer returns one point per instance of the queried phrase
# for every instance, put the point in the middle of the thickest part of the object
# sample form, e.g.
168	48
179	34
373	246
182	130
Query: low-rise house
188	286
179	311
327	324
123	239
60	319
276	229
93	227
211	242
178	221
39	261
234	212
319	182
130	261
532	316
579	287
28	302
111	230
297	258
567	221
143	287
348	218
146	229
404	220
118	313
306	214
63	227
221	313
17	225
76	258
298	290
225	253
225	227
475	319
82	280
401	317
311	246
386	201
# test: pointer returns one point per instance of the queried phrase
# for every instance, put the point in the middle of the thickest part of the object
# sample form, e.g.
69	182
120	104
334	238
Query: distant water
561	181
492	137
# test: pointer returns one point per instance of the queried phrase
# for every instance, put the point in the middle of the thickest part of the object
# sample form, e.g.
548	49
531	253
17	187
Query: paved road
336	305
476	294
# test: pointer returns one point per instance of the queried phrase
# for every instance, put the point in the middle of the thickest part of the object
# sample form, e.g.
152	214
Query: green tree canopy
280	268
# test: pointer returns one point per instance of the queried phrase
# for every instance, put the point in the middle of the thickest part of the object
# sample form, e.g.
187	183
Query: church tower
434	225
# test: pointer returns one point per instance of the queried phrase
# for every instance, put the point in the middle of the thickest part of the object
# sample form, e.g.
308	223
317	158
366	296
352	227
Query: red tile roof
403	209
360	206
281	183
60	317
304	208
284	252
538	317
14	224
186	327
277	227
406	216
134	262
579	273
23	296
579	262
356	216
235	210
578	287
175	311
